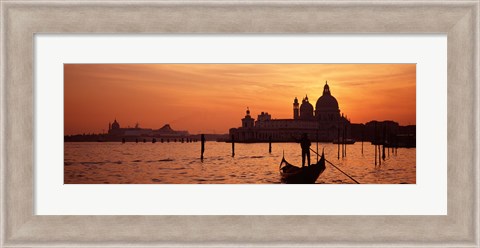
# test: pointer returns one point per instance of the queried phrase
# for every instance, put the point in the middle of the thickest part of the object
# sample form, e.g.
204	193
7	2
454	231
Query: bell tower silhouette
296	111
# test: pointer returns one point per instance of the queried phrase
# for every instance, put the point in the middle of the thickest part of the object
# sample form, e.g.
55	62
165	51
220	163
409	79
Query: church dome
306	109
115	125
326	101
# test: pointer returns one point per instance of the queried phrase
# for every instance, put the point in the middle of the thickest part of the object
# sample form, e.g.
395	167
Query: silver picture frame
22	20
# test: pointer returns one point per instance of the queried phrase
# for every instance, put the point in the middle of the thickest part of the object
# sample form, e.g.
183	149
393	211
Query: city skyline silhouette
212	98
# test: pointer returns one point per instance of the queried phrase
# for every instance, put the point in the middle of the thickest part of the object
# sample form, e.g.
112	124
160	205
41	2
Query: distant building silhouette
324	123
164	132
116	130
386	132
131	134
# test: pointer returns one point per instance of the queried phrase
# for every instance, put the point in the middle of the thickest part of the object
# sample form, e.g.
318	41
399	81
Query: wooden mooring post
233	146
345	139
379	160
363	137
383	152
362	146
270	144
338	143
202	146
341	142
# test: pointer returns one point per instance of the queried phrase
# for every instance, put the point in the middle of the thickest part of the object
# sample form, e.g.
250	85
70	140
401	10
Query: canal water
179	163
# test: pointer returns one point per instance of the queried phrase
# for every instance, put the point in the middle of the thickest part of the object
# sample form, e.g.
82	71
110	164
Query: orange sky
211	98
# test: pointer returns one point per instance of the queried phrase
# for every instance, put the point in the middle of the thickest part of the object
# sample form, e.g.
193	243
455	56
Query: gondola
296	175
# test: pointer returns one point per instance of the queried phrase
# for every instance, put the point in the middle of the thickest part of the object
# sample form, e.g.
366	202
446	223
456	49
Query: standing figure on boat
305	144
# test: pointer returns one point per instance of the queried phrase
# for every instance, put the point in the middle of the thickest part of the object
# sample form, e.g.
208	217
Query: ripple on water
217	179
257	156
166	160
252	163
173	168
92	163
199	179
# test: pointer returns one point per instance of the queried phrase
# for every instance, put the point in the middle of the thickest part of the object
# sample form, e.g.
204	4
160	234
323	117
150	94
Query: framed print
28	84
137	164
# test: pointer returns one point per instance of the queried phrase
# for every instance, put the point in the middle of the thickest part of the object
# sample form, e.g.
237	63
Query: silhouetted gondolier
203	145
305	144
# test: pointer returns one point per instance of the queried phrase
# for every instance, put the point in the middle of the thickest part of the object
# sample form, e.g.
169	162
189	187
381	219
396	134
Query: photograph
239	123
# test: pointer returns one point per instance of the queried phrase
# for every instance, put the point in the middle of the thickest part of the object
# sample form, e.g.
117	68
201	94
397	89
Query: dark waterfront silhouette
325	123
165	134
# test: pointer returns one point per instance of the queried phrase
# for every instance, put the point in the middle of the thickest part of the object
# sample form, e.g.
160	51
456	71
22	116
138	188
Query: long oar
338	169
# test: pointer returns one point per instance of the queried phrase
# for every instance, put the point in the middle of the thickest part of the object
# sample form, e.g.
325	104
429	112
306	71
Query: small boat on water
301	175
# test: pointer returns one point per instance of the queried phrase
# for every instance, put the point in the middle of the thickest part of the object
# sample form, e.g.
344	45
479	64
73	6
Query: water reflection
179	163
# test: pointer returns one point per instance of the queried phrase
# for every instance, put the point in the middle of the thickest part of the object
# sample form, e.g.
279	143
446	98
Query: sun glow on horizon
212	98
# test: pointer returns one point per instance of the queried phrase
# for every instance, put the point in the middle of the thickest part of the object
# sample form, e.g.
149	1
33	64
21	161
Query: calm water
147	163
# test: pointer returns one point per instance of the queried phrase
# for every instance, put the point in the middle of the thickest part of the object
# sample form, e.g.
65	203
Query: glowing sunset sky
211	98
